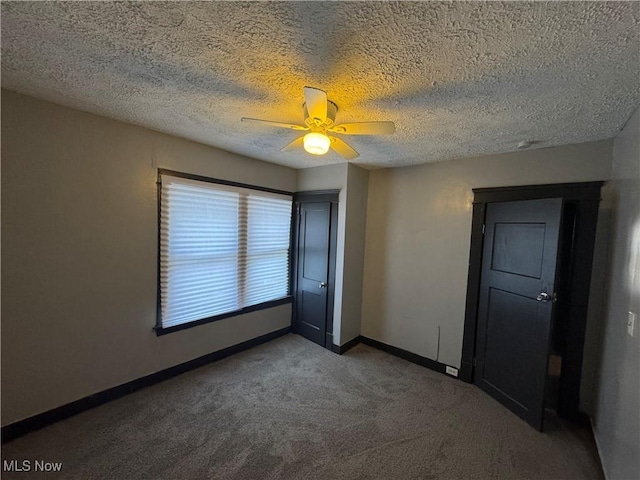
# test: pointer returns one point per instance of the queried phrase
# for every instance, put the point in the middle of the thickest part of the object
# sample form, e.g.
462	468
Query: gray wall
617	412
357	192
79	252
418	234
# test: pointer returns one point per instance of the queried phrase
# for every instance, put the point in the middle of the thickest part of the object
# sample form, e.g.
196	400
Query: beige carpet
290	409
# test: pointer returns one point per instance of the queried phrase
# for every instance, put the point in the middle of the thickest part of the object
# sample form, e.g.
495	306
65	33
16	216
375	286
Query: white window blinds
222	248
267	248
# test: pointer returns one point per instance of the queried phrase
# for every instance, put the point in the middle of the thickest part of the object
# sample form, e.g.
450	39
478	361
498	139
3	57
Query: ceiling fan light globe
316	143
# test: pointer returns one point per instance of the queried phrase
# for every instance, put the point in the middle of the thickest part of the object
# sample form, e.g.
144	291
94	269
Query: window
223	249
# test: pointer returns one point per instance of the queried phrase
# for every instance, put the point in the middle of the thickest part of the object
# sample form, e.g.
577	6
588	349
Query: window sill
261	306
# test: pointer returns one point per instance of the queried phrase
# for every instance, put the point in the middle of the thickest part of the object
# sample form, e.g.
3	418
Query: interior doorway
315	241
527	295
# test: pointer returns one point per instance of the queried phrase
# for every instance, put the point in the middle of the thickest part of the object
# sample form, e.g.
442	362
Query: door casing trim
331	196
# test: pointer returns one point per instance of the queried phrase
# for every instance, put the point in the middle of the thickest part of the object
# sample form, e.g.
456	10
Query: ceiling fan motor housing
332	110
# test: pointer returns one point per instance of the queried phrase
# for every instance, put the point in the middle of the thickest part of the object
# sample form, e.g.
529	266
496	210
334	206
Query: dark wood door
313	270
515	310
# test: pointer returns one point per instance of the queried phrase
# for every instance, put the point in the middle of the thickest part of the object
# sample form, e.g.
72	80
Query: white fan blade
343	149
365	128
316	101
297	143
269	123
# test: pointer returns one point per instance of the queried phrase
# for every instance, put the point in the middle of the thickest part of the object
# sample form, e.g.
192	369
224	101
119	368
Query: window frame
158	328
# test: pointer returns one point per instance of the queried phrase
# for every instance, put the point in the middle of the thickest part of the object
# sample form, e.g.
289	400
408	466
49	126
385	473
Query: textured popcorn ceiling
459	79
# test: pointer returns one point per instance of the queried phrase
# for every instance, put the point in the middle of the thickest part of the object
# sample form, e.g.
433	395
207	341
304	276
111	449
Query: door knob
543	297
323	285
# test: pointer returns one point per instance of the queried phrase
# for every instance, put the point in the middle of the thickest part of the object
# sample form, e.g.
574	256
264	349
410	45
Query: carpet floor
290	409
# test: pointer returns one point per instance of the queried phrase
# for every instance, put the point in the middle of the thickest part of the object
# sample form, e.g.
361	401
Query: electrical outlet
631	324
452	371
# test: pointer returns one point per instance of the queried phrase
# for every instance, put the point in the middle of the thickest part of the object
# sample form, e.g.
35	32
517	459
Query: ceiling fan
319	121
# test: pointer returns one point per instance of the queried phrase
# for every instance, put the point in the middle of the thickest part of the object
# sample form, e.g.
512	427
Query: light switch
631	324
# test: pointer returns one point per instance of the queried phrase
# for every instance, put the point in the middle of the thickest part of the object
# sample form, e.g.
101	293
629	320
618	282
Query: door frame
315	196
586	198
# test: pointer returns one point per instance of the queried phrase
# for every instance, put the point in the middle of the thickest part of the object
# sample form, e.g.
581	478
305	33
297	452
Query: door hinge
474	361
483	226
